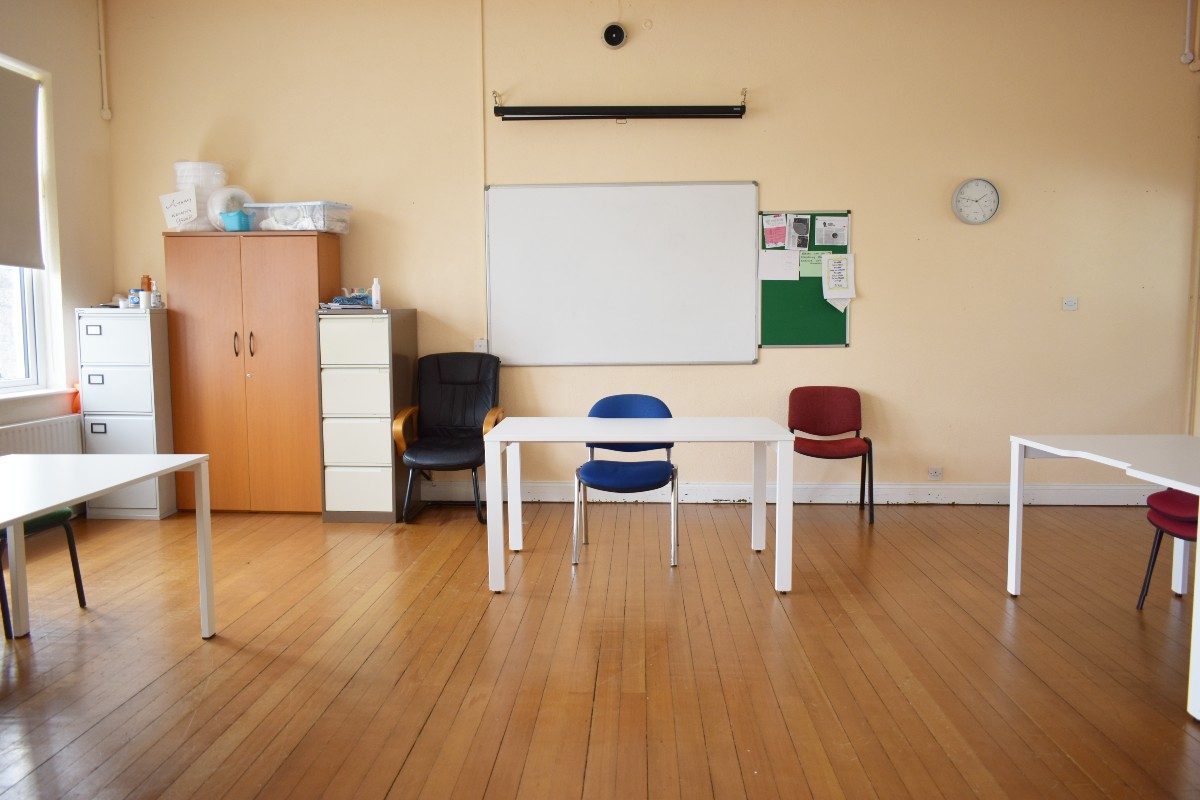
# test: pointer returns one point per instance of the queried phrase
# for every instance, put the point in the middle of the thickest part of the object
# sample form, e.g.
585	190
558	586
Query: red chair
832	411
1172	512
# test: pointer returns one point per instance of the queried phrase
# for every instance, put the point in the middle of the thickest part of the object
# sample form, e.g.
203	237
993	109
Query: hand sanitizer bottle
376	295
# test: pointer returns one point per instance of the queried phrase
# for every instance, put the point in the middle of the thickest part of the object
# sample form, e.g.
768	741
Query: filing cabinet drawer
112	339
123	389
364	340
357	392
358	489
357	441
107	434
111	434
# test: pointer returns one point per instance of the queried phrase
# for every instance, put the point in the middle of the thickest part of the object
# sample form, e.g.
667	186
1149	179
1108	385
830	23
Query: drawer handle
99	427
96	380
91	330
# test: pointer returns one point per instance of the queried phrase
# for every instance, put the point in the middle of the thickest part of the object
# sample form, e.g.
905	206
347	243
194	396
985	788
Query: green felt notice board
795	313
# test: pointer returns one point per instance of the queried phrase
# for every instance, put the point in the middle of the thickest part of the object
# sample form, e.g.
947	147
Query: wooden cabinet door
279	299
208	348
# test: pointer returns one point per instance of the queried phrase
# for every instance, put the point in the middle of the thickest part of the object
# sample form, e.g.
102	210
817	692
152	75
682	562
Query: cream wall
60	37
1079	112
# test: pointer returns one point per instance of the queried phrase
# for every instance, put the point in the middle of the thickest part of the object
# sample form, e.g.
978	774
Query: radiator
53	435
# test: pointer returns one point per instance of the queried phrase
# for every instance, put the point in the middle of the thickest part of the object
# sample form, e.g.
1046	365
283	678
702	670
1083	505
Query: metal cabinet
125	394
366	373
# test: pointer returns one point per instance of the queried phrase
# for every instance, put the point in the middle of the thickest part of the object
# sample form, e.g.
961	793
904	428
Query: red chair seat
1174	503
850	447
1179	528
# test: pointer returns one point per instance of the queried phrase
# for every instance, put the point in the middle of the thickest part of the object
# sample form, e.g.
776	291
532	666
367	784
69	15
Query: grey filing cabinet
125	395
367	359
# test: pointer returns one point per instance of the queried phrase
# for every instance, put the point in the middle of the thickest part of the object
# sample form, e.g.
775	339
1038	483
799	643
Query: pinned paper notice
774	231
837	280
812	265
179	208
778	265
799	230
833	230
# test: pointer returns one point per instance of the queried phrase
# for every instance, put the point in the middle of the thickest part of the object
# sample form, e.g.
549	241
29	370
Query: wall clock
975	201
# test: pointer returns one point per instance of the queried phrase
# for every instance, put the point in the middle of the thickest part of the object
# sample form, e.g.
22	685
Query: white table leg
1193	695
1181	559
1016	514
19	583
495	515
783	517
758	499
208	611
516	529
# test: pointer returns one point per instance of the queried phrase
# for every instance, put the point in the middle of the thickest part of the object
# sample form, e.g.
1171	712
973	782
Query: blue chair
626	477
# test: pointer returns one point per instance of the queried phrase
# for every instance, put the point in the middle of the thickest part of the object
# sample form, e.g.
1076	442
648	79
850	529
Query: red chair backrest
824	410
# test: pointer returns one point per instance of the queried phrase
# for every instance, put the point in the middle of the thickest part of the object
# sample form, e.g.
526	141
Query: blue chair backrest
626	406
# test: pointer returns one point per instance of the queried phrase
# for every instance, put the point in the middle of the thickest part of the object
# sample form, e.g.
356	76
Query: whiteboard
635	273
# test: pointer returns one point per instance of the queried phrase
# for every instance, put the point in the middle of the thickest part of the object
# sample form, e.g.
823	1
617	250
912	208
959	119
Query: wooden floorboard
371	660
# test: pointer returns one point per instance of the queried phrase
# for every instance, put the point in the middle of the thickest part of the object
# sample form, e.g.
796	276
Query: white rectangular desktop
1171	460
36	484
759	432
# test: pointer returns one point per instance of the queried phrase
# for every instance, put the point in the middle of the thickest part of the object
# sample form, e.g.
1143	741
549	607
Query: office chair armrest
402	417
493	416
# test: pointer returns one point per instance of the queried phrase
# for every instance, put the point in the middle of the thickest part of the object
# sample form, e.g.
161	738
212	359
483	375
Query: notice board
794	313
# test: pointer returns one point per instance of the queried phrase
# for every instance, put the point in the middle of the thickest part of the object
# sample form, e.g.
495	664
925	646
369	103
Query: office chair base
409	512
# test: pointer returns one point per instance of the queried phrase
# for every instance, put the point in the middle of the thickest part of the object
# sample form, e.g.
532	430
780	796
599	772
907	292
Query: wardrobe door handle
235	344
251	344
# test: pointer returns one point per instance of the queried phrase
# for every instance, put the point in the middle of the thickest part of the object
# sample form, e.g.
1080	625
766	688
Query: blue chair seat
625	476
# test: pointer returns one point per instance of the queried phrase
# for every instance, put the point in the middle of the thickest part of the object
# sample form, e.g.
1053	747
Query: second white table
759	432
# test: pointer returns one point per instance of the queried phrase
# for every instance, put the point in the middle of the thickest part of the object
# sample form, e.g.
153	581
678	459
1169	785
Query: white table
1171	460
511	432
32	485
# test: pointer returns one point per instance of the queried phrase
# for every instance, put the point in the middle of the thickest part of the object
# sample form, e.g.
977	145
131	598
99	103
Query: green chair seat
45	522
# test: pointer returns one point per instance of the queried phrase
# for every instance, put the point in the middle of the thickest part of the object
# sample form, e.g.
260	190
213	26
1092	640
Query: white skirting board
1046	494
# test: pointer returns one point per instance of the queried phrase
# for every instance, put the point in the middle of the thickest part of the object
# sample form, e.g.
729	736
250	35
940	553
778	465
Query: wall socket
481	345
1070	304
935	473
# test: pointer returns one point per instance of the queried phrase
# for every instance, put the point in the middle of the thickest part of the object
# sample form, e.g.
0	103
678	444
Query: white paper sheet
833	230
778	265
837	280
799	231
179	208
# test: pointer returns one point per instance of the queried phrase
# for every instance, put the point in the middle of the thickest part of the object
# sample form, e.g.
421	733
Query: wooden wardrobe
244	362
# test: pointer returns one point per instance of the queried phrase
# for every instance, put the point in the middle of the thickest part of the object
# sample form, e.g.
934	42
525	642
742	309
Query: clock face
975	201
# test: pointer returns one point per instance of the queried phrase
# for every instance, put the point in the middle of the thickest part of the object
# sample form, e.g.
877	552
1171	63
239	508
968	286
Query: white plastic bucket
204	177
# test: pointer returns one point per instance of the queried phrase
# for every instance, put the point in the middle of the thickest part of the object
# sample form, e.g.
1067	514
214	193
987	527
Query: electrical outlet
1070	304
481	346
935	473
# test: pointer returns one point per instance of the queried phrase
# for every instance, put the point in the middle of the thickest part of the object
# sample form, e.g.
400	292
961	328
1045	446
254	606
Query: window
18	329
24	147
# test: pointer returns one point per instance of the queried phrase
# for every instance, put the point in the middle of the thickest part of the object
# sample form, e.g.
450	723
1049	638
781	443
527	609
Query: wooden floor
370	661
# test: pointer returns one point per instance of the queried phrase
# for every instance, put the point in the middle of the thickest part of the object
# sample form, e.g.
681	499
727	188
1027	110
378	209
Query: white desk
1166	460
35	484
511	432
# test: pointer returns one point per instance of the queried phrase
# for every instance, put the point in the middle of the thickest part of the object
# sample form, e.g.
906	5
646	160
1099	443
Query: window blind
20	206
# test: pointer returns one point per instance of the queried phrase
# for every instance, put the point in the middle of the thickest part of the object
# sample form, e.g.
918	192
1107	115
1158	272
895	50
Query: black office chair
458	397
55	519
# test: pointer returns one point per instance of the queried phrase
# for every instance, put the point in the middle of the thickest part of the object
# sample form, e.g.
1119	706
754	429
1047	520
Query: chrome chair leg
674	517
575	525
583	489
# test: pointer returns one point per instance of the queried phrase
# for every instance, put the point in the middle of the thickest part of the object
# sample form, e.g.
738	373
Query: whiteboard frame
756	334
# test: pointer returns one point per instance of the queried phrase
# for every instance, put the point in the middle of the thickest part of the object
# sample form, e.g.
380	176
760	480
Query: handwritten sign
837	280
179	208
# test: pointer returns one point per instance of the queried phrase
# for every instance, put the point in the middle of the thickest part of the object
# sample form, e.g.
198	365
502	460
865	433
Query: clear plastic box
309	215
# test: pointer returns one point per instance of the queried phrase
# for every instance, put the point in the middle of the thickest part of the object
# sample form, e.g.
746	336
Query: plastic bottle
156	298
145	287
376	295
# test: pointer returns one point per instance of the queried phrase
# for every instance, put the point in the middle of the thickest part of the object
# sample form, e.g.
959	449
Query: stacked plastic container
205	177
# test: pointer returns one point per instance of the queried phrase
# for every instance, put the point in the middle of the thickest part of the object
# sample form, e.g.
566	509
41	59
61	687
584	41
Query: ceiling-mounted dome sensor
614	35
